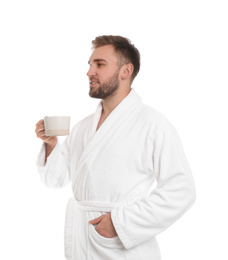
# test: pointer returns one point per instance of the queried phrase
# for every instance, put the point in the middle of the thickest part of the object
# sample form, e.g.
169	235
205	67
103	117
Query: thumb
95	221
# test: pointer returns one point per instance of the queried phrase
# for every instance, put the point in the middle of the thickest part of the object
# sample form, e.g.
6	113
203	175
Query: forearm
55	171
175	193
142	220
49	148
53	160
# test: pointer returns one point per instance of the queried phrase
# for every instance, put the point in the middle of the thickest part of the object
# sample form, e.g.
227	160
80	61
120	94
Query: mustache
93	79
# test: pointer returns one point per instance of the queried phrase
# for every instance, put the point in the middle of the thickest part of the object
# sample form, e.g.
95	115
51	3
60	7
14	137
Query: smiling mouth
93	83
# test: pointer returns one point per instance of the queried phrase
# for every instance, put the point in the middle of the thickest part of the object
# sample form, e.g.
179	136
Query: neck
110	103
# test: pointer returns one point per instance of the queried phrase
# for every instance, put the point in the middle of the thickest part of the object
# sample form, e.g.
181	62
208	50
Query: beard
106	89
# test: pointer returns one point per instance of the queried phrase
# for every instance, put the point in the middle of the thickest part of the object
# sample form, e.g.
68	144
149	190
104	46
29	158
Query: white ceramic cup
57	125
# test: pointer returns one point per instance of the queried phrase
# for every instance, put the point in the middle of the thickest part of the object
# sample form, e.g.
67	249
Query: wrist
50	147
51	143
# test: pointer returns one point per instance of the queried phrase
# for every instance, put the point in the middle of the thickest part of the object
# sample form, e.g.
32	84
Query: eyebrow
97	60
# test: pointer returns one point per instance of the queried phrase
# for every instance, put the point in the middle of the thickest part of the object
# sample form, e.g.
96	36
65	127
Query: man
112	158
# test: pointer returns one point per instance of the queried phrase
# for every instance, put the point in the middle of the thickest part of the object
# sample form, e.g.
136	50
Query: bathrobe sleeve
55	173
175	193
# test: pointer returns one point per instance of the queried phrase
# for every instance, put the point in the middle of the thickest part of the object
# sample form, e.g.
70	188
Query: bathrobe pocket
114	242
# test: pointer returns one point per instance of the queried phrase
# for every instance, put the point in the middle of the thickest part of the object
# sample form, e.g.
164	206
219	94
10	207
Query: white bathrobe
113	170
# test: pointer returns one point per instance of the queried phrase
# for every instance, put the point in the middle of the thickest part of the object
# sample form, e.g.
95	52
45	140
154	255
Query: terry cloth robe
113	170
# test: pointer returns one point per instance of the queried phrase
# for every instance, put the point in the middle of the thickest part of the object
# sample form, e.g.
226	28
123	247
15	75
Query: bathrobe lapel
110	126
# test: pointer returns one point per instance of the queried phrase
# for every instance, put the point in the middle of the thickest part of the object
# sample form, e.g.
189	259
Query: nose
91	71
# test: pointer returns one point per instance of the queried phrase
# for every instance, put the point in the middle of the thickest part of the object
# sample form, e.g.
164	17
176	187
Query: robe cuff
41	156
119	230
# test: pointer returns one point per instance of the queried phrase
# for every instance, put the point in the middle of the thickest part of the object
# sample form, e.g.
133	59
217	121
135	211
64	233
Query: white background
44	50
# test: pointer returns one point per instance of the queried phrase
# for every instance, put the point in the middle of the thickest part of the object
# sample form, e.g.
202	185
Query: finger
40	122
101	230
40	128
40	131
97	228
95	221
41	134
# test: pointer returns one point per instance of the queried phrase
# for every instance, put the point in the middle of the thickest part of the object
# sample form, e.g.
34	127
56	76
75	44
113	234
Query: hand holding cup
48	128
40	133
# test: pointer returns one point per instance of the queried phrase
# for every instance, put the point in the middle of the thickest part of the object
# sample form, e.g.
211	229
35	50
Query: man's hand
40	133
50	141
104	226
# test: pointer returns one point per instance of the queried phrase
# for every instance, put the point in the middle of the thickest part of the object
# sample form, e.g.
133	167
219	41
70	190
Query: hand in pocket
104	226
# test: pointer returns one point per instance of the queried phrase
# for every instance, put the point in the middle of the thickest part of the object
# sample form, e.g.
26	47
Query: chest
116	162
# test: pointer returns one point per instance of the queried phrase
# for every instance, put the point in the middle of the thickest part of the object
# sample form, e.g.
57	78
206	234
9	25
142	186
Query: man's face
103	73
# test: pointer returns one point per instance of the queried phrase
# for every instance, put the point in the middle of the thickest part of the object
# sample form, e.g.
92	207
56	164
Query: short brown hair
125	50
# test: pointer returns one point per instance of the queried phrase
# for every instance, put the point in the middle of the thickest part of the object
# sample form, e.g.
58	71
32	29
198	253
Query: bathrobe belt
96	206
139	191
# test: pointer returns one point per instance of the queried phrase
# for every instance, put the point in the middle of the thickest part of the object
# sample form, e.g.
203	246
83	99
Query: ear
127	71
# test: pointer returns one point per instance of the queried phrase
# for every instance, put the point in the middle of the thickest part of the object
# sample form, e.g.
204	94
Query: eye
99	64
